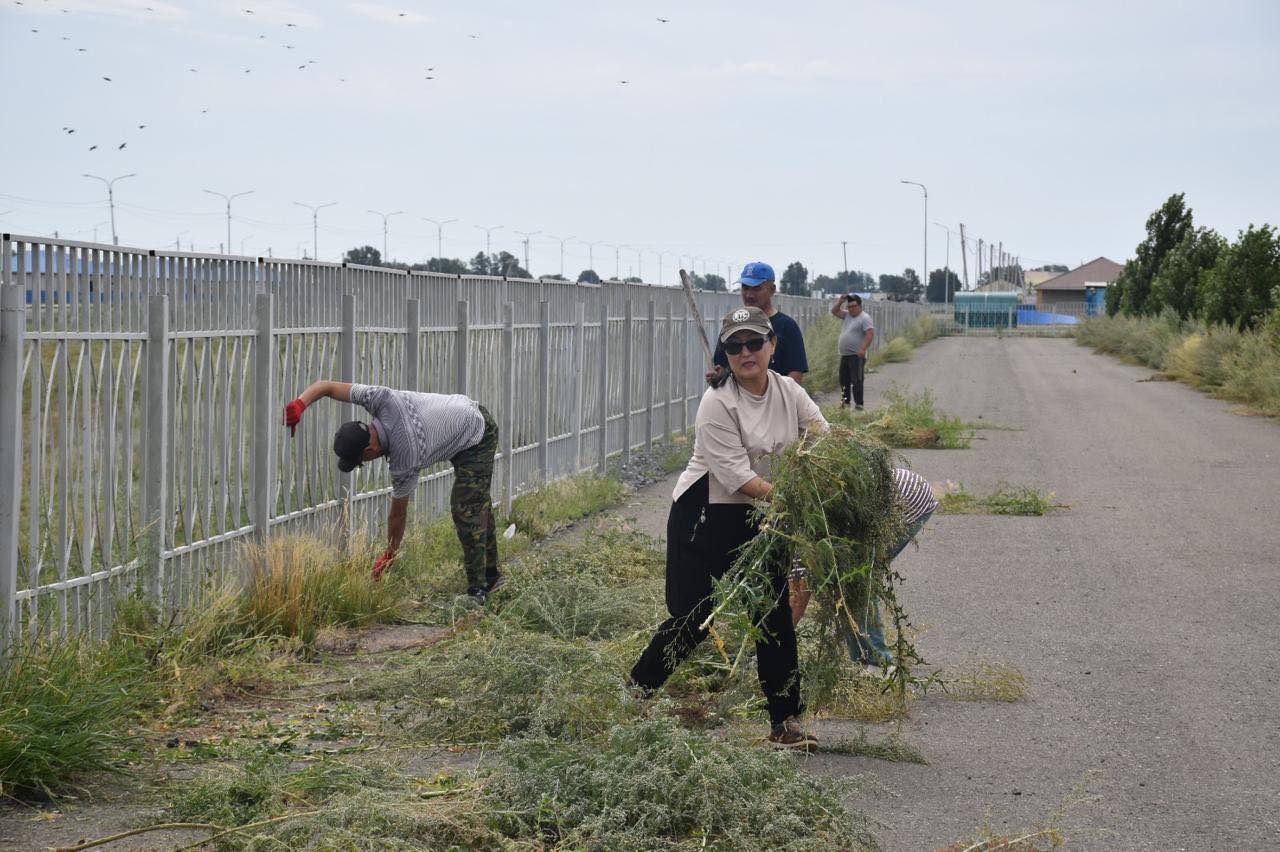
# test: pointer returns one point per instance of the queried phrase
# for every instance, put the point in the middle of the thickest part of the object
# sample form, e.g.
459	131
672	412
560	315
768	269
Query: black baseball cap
349	443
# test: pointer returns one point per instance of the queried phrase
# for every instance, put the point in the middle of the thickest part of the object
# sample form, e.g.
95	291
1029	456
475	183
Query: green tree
451	265
943	284
364	256
795	280
1165	229
1179	282
503	264
589	276
1240	290
710	281
893	284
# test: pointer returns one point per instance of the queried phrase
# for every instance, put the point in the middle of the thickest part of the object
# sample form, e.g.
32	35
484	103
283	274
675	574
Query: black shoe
639	692
477	596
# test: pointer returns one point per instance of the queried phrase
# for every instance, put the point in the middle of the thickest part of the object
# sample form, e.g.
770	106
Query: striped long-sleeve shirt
914	494
419	429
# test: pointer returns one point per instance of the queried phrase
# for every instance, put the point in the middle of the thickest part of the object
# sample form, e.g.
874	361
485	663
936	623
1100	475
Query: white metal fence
141	396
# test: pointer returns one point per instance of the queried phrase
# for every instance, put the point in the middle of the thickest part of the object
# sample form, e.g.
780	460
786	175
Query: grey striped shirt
419	429
914	494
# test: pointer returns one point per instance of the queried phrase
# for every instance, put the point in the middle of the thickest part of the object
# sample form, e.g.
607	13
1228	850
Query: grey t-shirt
854	333
419	429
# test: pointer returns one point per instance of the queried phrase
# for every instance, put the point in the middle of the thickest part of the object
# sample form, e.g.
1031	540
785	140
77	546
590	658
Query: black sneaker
789	734
638	691
477	596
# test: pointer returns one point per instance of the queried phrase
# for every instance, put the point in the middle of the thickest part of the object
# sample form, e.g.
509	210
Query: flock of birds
429	73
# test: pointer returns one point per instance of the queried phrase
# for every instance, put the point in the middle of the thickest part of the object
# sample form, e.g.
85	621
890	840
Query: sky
744	131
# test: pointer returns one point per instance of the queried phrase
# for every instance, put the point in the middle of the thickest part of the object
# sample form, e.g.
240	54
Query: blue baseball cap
755	274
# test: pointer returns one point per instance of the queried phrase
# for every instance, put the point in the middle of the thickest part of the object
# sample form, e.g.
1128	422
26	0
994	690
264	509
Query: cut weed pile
1004	500
906	420
986	680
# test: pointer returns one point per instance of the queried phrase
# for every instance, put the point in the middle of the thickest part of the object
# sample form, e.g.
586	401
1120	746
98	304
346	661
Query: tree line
1197	273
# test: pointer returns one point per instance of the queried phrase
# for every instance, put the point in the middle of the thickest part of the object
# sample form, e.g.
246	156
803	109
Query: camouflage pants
472	508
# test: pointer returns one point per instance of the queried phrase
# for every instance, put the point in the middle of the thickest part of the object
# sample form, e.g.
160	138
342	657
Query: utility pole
844	249
111	200
964	256
228	198
924	275
177	241
487	232
385	218
315	224
978	261
526	236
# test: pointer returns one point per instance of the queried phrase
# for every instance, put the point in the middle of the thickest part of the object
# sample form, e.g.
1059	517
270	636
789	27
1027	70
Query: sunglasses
755	344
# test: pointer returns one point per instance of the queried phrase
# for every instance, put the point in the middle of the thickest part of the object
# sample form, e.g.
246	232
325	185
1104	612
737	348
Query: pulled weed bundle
834	511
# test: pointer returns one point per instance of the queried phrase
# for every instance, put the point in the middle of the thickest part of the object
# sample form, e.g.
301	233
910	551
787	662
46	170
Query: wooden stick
259	824
164	826
697	316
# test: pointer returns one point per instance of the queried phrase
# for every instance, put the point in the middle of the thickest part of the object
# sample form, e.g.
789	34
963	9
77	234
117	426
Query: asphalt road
1146	618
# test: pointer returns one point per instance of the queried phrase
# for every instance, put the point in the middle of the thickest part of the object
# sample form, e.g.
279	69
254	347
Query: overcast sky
745	130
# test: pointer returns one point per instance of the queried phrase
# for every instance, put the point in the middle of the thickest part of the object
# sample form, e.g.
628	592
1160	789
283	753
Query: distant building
1082	284
1036	277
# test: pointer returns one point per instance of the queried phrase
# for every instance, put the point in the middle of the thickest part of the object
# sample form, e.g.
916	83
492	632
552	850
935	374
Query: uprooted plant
834	511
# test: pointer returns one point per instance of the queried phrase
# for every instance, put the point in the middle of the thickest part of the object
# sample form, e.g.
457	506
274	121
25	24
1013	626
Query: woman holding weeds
753	413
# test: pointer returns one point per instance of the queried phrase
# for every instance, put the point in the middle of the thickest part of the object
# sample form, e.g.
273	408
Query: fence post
628	372
155	494
264	418
667	374
461	349
544	388
508	402
12	319
347	373
602	461
684	370
650	374
412	334
579	344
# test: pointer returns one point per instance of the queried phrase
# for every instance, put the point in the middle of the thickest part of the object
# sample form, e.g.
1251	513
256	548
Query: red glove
383	563
292	414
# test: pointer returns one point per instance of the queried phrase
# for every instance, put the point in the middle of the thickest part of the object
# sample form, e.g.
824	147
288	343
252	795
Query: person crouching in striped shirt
414	431
868	648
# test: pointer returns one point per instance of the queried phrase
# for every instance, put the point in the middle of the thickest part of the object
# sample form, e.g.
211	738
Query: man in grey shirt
414	431
855	339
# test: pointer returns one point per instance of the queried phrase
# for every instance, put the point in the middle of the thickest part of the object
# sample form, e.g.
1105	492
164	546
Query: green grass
64	709
892	749
1240	366
1004	500
906	420
555	506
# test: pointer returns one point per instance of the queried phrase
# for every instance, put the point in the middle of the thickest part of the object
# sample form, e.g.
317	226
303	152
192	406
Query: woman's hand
757	489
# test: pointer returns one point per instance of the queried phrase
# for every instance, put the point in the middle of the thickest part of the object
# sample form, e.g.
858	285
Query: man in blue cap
757	289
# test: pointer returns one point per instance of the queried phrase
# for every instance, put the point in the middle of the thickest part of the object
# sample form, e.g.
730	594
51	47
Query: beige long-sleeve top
737	430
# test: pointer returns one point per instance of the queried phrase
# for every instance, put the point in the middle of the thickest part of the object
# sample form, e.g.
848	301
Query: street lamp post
228	198
660	257
562	241
386	217
639	262
439	234
243	240
527	235
925	273
315	225
591	254
487	232
617	259
111	200
844	248
177	241
946	269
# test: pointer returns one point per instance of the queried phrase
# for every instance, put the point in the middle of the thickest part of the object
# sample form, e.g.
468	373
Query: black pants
697	551
851	367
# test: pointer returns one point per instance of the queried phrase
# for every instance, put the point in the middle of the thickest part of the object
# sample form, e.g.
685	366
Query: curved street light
111	199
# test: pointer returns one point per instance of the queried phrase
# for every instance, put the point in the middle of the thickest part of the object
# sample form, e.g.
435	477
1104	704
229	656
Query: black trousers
701	544
851	367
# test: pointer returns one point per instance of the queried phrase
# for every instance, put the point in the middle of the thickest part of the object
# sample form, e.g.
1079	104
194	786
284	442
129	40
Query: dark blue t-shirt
789	355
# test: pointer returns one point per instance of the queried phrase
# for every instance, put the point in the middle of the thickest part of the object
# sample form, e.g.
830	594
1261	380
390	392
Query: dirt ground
1143	617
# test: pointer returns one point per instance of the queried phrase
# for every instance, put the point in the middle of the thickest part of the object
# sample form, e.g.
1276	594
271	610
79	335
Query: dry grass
986	680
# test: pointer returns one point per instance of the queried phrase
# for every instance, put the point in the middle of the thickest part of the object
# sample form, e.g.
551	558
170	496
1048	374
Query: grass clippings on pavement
985	680
906	420
1005	499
